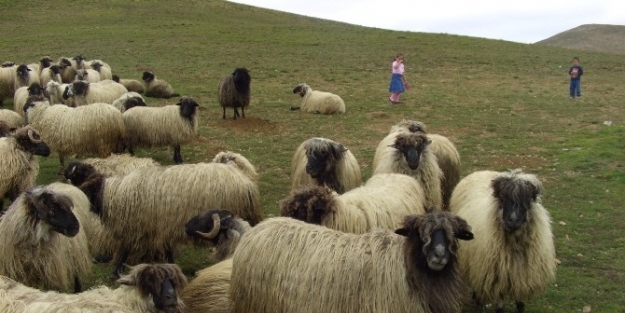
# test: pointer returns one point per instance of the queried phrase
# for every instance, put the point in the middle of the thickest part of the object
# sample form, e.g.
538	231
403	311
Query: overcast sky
525	21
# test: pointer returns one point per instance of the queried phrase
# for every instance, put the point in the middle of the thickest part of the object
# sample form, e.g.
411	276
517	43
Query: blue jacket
580	72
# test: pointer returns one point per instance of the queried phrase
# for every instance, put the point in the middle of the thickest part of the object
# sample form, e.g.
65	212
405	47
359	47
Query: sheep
321	161
52	73
24	77
148	288
283	264
219	227
18	163
41	241
57	93
408	153
44	63
13	119
157	88
315	101
95	129
238	161
7	81
23	94
101	67
513	257
380	203
234	91
209	291
105	91
156	202
5	131
68	69
129	100
119	164
130	84
171	125
88	75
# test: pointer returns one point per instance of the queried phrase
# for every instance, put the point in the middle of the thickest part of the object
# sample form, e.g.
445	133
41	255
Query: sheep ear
126	280
402	232
463	230
410	222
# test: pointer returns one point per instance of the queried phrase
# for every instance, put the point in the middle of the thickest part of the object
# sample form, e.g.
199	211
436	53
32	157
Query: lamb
238	161
171	125
234	91
57	93
68	69
12	119
41	241
132	85
119	164
157	88
321	161
95	129
24	77
209	291
129	100
408	153
513	257
282	264
105	91
315	101
18	163
156	202
382	202
88	75
148	288
23	94
219	227
52	73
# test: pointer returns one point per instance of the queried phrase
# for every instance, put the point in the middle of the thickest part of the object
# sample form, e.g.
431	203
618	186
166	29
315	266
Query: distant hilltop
590	37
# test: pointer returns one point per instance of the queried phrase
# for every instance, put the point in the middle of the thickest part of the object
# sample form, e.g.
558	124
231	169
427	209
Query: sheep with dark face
132	85
101	67
34	92
24	77
12	119
128	101
513	257
157	88
68	69
44	63
323	162
219	227
234	91
52	73
315	101
41	241
411	270
148	288
106	91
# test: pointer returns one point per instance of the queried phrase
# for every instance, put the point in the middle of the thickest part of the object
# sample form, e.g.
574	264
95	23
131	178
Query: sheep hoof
520	306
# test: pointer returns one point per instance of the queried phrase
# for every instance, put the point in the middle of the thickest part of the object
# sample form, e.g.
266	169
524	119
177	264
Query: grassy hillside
590	37
504	104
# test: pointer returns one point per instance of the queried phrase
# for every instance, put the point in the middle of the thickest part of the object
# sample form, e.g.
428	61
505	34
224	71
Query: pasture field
505	105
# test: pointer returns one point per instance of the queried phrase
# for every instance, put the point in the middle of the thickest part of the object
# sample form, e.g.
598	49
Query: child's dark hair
576	59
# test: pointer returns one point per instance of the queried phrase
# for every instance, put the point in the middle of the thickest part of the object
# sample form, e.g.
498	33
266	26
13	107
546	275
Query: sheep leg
77	285
243	111
177	156
520	306
120	264
224	116
236	113
169	255
131	150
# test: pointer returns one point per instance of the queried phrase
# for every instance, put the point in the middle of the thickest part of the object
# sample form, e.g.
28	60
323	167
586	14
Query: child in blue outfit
575	72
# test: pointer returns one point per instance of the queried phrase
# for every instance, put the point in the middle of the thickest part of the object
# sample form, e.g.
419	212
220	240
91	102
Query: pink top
399	70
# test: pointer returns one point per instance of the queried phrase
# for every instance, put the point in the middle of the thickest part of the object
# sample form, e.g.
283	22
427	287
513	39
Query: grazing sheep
171	125
52	73
13	119
382	202
408	153
128	101
219	227
57	93
209	291
23	94
7	81
157	88
146	210
95	129
88	75
513	257
41	241
130	84
119	164
148	288
18	164
283	265
24	77
234	91
102	68
105	91
238	161
323	162
68	69
315	101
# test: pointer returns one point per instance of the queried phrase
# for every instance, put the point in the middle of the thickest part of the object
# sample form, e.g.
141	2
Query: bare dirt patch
519	161
250	124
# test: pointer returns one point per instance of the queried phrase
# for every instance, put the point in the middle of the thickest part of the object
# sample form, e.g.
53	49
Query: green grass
504	104
590	37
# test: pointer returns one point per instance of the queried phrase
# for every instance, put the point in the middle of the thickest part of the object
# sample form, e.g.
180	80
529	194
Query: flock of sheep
415	237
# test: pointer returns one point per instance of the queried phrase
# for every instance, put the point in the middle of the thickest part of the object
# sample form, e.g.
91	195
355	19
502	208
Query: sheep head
79	59
77	172
29	139
411	146
97	66
116	78
411	126
516	193
301	89
148	77
132	102
54	209
82	74
160	282
78	88
35	90
209	224
188	107
309	204
22	72
242	80
322	158
65	62
45	62
56	70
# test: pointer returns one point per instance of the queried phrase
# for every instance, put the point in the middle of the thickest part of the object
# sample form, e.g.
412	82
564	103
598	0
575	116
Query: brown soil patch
525	161
250	124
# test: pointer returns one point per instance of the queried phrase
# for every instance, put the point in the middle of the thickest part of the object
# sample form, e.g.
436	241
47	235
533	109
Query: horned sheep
238	161
132	85
105	91
129	100
315	101
321	161
513	257
411	270
157	88
382	202
219	227
234	91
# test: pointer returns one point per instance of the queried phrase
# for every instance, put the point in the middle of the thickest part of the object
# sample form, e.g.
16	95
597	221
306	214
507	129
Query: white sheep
382	202
119	164
7	82
12	119
513	257
105	91
88	75
238	161
315	101
209	291
128	100
57	93
101	67
234	91
157	88
24	77
219	227
132	85
285	265
171	125
33	92
321	161
52	73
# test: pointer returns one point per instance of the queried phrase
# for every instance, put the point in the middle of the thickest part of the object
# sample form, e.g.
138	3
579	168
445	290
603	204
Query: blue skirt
397	84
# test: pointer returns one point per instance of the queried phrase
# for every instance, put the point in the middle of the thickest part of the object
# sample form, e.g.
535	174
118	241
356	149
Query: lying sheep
52	73
283	265
24	77
12	119
148	288
209	291
105	91
323	162
146	210
238	161
234	91
315	101
119	164
171	125
57	93
128	101
88	75
95	129
23	94
219	227
41	241
18	163
382	202
157	88
132	85
513	257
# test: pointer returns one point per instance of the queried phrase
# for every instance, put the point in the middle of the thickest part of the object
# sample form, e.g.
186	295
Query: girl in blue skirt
397	80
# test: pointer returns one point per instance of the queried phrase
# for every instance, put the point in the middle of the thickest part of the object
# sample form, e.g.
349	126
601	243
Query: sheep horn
31	136
216	226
